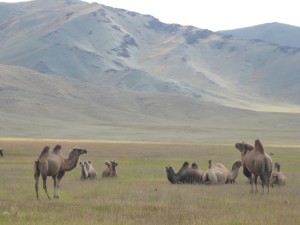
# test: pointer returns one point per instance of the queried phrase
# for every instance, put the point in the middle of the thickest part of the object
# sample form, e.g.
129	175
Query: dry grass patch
141	194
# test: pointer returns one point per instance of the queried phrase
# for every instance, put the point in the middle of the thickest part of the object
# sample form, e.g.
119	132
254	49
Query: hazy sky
212	14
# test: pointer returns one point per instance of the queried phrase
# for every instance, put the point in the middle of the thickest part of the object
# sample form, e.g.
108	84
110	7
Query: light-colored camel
54	164
84	173
215	174
256	163
92	174
278	177
110	170
233	174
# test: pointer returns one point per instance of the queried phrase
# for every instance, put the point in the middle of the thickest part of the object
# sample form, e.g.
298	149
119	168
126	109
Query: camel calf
110	170
277	177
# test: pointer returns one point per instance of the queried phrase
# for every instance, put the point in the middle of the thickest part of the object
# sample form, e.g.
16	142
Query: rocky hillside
71	69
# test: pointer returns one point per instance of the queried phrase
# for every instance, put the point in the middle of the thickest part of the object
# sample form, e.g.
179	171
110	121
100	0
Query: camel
84	173
233	174
110	170
185	174
54	164
171	175
215	174
92	174
1	152
277	177
191	175
256	163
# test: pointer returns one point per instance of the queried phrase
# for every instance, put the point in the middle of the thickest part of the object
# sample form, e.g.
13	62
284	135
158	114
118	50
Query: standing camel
54	164
256	163
1	152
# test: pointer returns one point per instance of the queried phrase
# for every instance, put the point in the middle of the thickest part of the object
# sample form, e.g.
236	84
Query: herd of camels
254	161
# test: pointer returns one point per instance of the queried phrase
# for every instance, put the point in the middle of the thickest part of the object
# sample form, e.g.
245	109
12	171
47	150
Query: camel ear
258	146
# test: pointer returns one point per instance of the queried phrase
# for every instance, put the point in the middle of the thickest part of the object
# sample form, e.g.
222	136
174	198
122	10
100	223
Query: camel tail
36	169
259	147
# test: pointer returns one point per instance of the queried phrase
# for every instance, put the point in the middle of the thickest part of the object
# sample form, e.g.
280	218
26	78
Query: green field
142	194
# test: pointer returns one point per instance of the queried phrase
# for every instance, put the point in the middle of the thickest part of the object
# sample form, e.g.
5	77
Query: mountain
70	69
277	33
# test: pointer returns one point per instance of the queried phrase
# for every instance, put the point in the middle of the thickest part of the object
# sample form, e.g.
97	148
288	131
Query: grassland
141	194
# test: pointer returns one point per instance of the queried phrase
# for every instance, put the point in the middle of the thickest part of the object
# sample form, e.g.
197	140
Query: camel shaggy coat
256	163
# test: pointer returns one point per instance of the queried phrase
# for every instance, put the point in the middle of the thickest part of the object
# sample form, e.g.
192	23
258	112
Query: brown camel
54	164
1	152
186	174
110	170
256	163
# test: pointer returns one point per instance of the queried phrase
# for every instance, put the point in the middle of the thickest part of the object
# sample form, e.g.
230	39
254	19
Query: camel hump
45	150
57	148
259	147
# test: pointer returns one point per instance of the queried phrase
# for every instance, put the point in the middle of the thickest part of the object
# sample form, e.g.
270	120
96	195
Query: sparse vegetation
142	194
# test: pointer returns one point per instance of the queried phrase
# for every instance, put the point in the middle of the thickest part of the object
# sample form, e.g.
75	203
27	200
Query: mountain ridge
93	67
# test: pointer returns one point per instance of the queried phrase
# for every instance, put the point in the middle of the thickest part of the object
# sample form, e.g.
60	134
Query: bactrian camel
110	170
215	174
185	174
256	163
54	164
277	177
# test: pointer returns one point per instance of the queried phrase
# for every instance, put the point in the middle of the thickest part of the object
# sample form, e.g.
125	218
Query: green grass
141	194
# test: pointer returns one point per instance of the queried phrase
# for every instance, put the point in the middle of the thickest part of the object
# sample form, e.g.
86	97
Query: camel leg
251	183
255	182
36	177
37	185
45	185
55	181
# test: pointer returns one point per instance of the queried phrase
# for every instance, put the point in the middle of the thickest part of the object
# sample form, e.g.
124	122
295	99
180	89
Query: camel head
76	152
113	164
236	164
107	163
244	148
277	167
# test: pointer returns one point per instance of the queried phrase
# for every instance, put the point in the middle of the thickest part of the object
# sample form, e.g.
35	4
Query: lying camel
233	174
277	177
110	170
185	174
215	174
54	164
256	163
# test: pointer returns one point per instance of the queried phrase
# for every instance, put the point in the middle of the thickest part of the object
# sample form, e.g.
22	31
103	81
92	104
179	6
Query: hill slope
78	70
277	33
